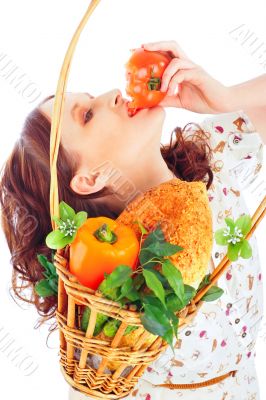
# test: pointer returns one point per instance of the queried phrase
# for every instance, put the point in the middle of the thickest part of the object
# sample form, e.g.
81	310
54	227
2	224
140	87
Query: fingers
167	45
192	75
175	65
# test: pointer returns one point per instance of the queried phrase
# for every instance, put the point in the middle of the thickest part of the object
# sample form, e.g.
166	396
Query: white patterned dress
223	334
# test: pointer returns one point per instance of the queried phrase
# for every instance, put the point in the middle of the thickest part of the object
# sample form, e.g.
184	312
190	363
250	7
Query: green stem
154	83
104	234
152	259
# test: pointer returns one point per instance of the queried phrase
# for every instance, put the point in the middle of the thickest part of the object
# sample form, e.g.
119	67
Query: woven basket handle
56	126
58	111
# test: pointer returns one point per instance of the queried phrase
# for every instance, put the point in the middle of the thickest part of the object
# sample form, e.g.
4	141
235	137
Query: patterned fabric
223	334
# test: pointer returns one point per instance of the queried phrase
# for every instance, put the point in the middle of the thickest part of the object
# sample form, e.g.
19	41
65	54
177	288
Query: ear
83	183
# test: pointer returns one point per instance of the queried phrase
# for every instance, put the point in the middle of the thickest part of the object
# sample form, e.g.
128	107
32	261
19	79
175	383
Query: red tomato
144	71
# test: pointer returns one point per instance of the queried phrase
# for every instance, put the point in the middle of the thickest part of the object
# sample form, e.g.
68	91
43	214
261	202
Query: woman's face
107	142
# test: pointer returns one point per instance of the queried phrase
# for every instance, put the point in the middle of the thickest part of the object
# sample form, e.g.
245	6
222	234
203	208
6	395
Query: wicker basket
76	345
131	361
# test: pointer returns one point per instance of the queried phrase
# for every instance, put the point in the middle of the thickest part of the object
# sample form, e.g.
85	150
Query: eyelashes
88	115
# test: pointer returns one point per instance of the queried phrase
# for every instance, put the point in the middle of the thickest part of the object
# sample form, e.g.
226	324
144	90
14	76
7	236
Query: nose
116	98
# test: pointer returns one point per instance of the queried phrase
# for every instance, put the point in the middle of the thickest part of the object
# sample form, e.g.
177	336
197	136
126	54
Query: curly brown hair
24	196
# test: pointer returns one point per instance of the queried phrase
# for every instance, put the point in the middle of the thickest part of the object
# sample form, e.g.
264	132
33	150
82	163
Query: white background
34	36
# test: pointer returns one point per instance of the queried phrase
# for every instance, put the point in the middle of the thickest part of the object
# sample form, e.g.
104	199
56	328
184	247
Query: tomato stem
104	234
154	83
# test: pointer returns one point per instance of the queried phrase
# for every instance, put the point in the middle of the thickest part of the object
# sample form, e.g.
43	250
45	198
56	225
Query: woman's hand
187	84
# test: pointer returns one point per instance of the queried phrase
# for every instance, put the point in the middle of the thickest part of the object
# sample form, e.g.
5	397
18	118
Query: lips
131	111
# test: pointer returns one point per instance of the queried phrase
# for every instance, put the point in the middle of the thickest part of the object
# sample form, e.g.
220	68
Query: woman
106	159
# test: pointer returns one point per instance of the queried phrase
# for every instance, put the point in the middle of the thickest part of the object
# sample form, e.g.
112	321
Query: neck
153	175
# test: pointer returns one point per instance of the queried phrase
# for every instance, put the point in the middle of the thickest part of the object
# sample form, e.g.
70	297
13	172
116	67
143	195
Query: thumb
171	101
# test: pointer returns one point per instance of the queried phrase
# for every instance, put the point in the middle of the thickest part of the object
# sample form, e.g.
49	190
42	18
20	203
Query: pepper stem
104	234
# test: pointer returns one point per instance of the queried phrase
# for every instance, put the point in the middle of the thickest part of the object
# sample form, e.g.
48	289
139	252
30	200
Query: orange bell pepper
101	244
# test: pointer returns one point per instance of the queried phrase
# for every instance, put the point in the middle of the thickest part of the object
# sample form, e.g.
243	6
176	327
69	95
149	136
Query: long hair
24	196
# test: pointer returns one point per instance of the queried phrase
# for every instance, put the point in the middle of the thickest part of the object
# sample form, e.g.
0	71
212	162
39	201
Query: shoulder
233	137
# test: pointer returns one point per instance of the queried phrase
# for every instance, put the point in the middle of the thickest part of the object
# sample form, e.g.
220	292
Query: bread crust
186	220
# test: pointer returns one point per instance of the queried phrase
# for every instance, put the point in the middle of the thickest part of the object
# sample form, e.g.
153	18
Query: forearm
248	95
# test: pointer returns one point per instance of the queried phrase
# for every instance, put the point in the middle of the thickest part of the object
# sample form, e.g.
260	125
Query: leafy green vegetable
48	286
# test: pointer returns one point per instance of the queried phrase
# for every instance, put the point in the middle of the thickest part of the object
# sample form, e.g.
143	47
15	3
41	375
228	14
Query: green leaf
57	240
174	320
161	277
233	251
57	220
190	292
220	238
213	294
118	276
112	294
144	256
155	321
141	227
173	303
246	249
53	282
244	223
163	249
156	235
155	302
230	222
168	336
128	290
204	282
155	285
80	218
138	281
49	267
66	211
174	278
43	289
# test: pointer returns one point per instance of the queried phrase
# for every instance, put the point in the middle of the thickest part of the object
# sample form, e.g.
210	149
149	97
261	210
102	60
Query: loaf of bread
185	215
